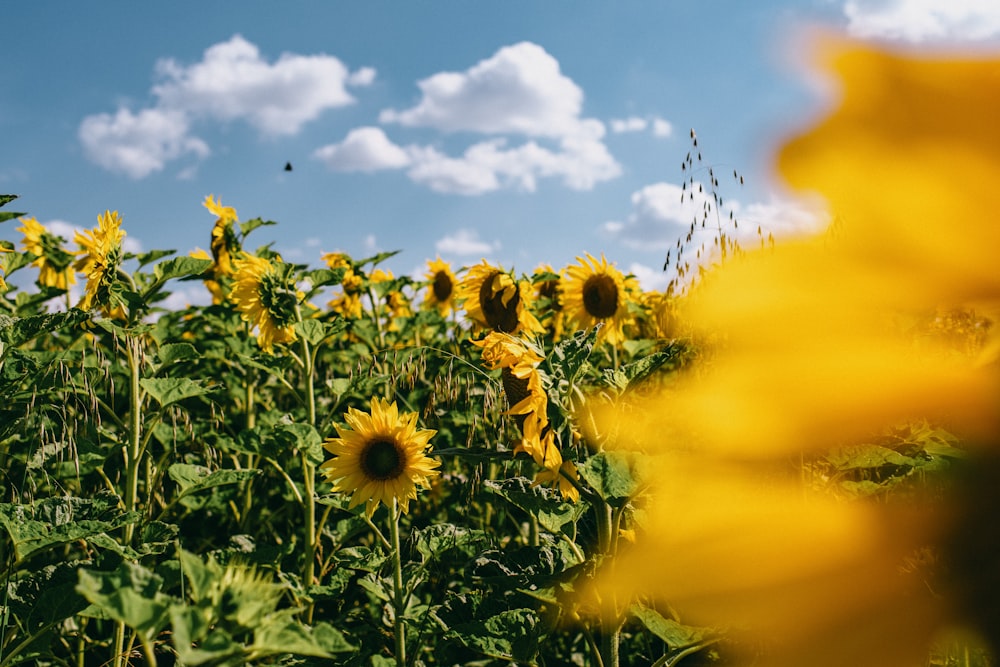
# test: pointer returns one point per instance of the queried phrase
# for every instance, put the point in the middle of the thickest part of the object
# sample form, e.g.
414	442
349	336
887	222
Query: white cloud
662	213
465	242
630	124
924	20
138	144
489	165
233	82
650	279
363	149
519	90
662	128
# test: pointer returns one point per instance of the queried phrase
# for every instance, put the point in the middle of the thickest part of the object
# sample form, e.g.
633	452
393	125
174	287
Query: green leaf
170	390
304	437
281	633
6	199
324	277
609	474
16	331
867	456
631	374
130	594
675	635
436	540
510	635
49	522
570	355
151	256
46	595
170	353
250	225
544	503
194	478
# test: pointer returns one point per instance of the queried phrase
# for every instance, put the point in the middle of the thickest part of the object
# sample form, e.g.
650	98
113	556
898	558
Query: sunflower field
786	458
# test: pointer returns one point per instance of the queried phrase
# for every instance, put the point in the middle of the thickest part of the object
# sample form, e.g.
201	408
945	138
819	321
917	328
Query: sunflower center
382	460
499	316
600	296
442	286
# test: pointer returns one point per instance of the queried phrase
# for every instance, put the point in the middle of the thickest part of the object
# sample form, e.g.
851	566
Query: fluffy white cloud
662	128
138	144
650	279
233	81
662	213
924	20
518	90
465	242
363	149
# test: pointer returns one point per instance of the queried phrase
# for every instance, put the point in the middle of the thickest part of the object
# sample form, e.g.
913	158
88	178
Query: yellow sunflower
494	299
441	287
348	302
213	286
224	242
596	292
265	300
54	264
100	256
380	456
519	372
539	442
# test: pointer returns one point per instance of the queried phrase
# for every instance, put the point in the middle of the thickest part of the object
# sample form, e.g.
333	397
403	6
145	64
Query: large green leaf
610	475
170	390
510	635
194	478
544	503
17	330
130	594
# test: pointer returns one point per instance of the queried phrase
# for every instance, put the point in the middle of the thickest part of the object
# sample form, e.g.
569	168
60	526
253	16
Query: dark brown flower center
382	460
442	286
500	317
600	296
550	290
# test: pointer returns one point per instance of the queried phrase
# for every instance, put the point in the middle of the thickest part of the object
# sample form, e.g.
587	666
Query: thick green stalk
308	469
610	624
398	594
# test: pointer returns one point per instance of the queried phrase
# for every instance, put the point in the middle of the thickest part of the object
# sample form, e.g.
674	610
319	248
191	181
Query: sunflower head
593	292
55	265
265	296
547	300
100	255
225	244
494	299
380	456
441	287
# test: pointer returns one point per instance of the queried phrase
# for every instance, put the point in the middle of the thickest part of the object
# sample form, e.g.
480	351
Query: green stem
309	470
610	623
397	585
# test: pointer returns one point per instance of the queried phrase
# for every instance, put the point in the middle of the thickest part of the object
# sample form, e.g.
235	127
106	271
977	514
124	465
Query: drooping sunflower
519	372
596	292
100	255
495	299
441	288
225	244
265	299
55	265
380	456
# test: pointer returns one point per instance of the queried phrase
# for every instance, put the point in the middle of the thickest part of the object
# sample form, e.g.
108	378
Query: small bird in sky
288	166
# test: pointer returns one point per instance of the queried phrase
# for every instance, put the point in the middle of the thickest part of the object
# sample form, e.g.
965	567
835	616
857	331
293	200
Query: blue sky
521	132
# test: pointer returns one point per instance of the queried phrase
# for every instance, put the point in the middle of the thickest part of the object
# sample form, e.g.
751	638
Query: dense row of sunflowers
790	462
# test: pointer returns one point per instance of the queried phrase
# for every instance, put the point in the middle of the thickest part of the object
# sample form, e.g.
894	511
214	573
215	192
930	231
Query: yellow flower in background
213	286
265	300
495	299
441	287
54	263
225	245
812	345
348	302
380	456
100	255
595	292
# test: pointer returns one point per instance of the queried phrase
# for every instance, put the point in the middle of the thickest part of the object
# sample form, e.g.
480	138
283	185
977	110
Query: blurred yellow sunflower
213	286
495	299
225	244
380	456
348	302
596	292
814	356
266	300
55	265
100	255
441	287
